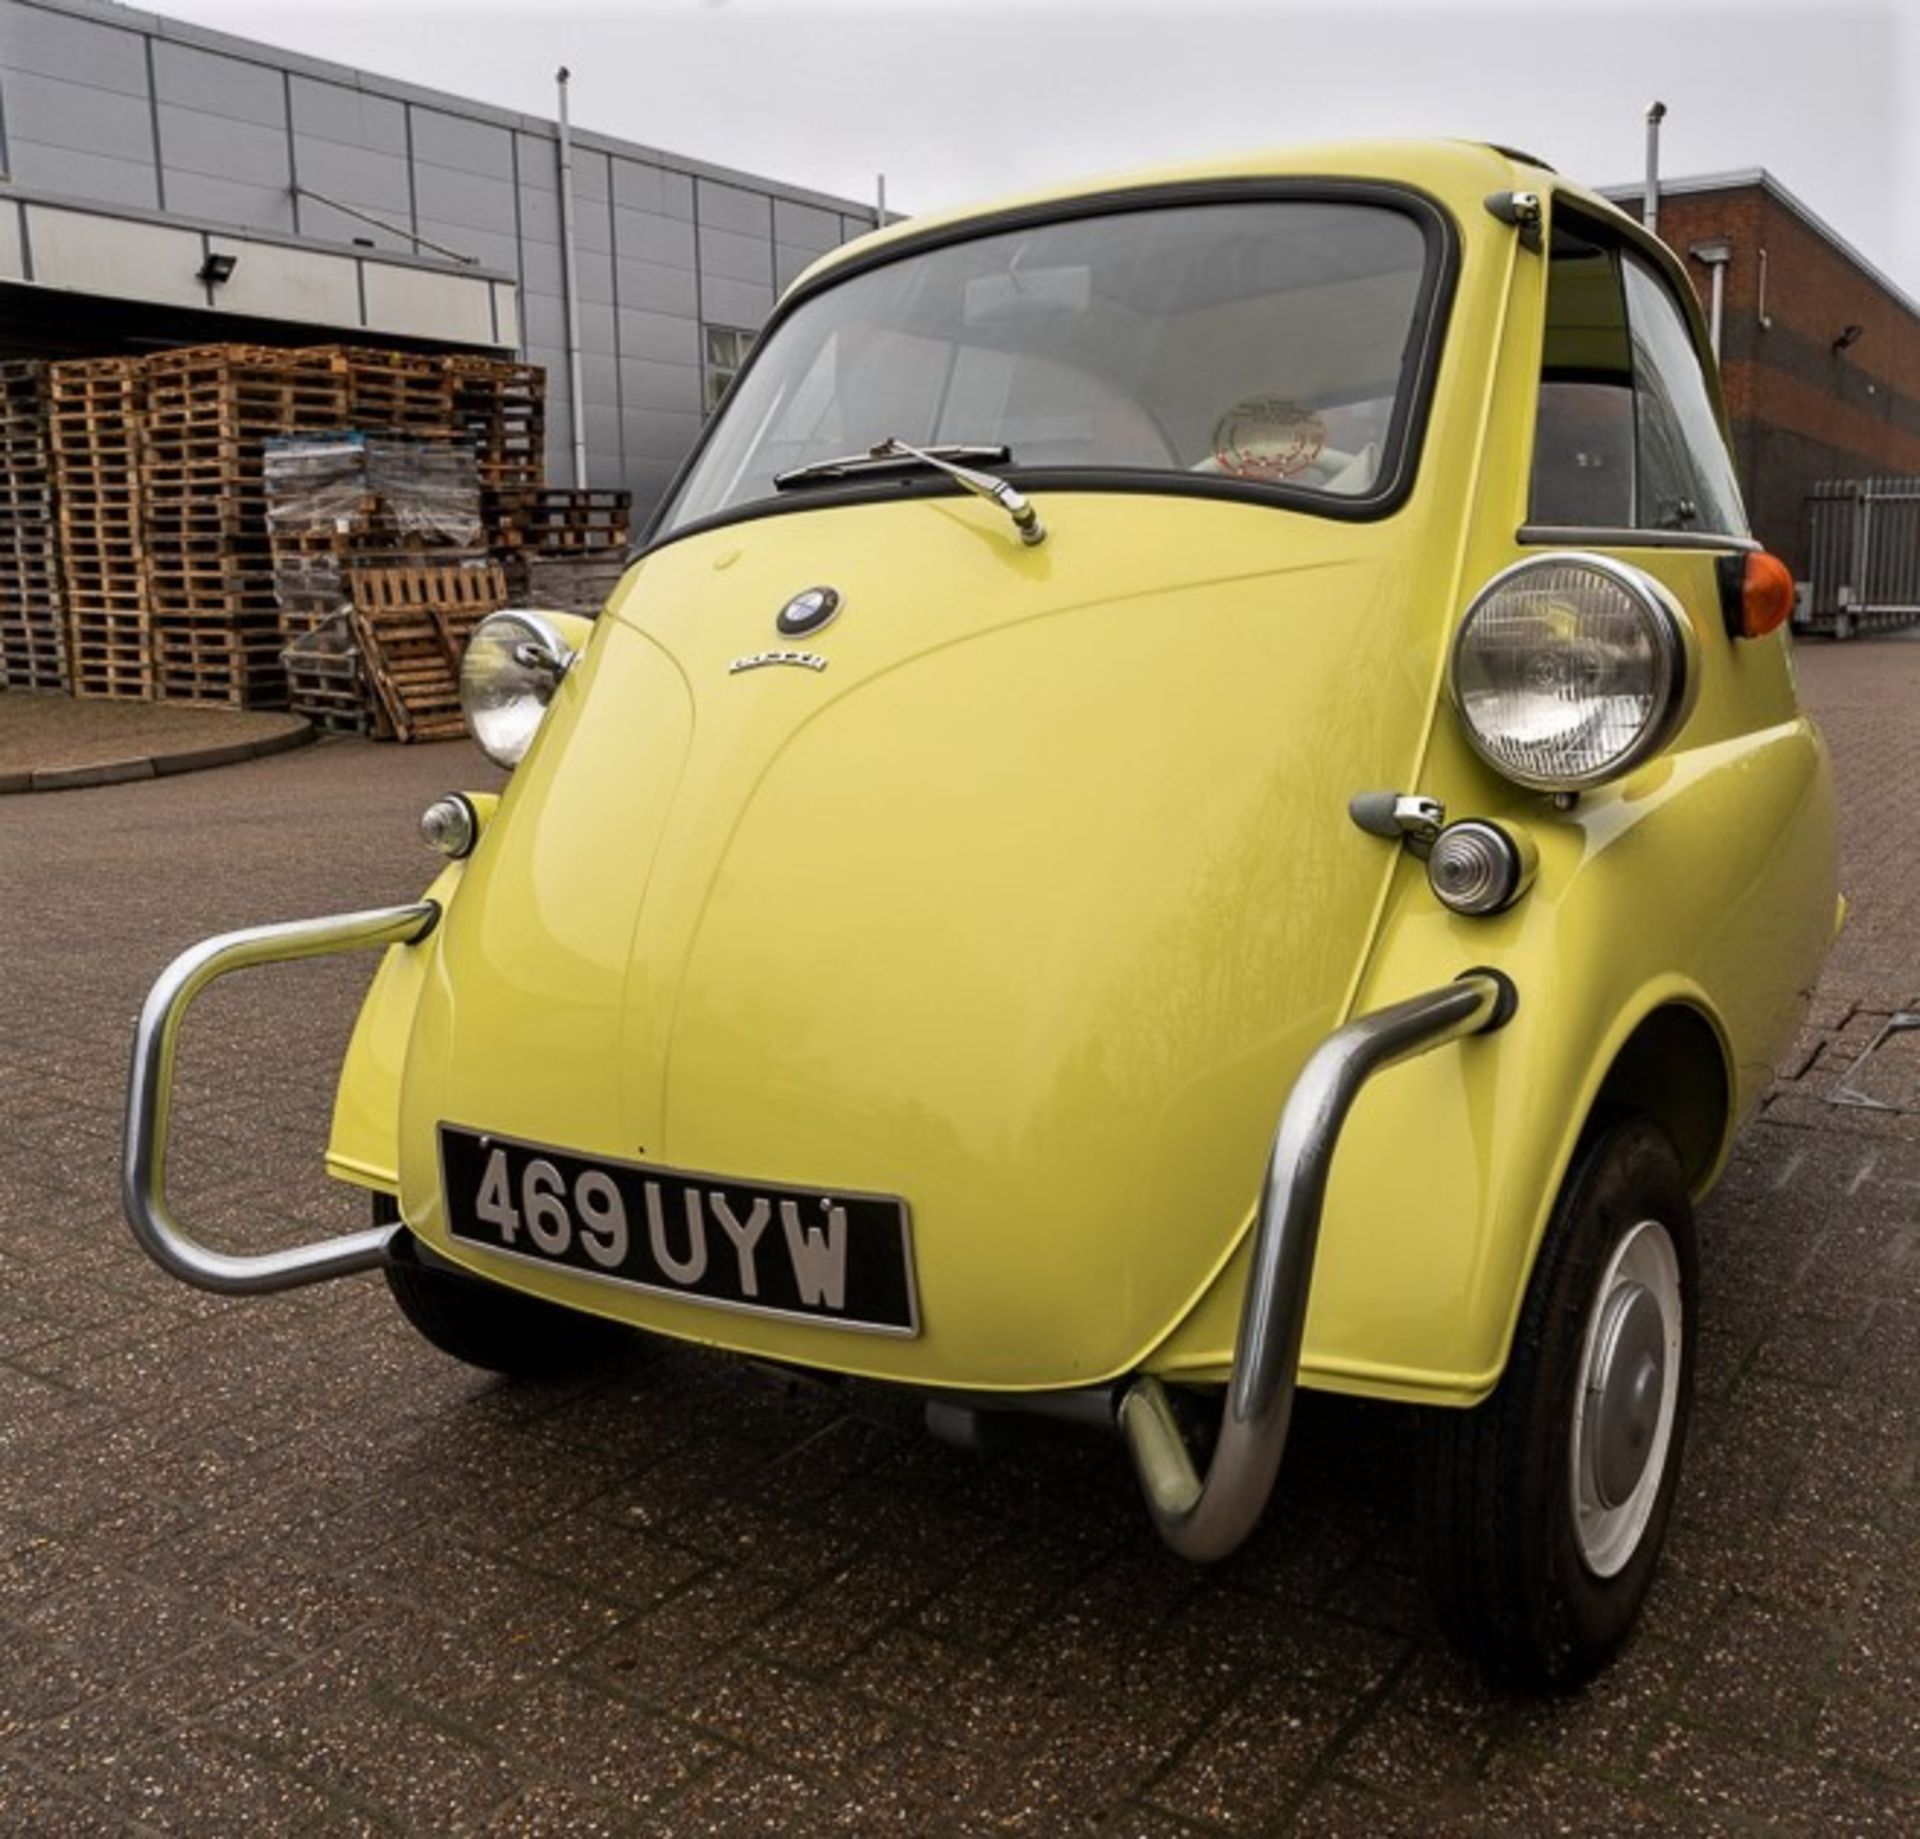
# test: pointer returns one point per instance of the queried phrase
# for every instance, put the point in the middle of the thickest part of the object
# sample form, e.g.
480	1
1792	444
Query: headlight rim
1674	640
558	656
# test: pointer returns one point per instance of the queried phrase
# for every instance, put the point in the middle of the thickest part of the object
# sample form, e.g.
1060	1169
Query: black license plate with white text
844	1260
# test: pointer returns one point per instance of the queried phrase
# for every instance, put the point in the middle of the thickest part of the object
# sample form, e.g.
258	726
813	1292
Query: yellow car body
1030	907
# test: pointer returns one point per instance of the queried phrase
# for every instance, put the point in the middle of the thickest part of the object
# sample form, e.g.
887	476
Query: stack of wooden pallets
33	639
94	423
555	521
562	549
210	409
501	407
394	392
348	501
413	625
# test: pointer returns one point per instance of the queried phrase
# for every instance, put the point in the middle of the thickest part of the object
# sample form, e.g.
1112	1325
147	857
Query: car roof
1457	173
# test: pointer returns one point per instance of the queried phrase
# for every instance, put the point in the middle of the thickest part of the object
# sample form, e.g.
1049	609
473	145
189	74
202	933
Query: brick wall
1801	411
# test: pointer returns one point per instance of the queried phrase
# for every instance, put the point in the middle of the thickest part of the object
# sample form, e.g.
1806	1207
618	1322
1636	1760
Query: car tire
488	1326
1543	1510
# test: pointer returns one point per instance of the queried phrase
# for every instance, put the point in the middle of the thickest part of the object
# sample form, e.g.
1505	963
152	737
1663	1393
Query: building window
727	349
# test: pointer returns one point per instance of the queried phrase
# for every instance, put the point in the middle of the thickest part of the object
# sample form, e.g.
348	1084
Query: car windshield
1263	342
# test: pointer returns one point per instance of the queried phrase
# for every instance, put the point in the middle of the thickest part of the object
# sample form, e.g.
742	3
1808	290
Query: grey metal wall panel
355	175
639	186
595	270
663	434
58	45
660	338
466	146
191	141
805	226
546	320
593	227
648	385
734	257
732	207
489	248
350	117
735	303
590	175
463	198
645	236
790	263
599	378
82	175
56	112
229	86
541	269
251	207
596	327
654	288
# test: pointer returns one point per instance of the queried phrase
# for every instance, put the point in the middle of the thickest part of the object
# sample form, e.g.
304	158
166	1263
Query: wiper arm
1009	498
894	455
883	460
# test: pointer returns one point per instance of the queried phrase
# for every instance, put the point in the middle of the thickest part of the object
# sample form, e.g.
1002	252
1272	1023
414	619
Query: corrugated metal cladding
143	115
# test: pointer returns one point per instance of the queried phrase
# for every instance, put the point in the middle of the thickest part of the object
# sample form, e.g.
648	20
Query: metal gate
1864	556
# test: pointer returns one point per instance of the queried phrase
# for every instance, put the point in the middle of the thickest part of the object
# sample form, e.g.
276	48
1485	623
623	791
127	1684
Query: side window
1626	436
1583	450
1686	478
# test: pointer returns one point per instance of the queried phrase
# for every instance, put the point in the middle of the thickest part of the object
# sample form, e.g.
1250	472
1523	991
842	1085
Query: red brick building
1820	352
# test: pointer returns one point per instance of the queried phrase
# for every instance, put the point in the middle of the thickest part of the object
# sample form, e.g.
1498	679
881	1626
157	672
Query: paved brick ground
278	1566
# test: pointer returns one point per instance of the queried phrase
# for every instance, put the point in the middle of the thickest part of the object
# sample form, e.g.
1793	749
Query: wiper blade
890	457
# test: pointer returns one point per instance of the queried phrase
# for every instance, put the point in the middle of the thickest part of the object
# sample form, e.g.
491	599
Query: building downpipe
576	390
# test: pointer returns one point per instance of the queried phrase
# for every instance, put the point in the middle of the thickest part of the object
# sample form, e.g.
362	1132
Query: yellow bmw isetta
1197	789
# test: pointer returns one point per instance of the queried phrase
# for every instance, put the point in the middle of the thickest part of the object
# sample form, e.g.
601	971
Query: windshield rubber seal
1405	433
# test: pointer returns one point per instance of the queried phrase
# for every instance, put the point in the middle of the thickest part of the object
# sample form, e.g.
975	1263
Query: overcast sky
959	99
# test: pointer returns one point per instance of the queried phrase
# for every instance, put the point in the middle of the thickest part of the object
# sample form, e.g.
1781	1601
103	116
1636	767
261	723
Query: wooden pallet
327	681
96	409
555	520
501	406
33	636
413	625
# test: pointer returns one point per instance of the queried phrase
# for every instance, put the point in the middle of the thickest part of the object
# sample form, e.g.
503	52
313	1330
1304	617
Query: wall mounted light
1849	335
217	269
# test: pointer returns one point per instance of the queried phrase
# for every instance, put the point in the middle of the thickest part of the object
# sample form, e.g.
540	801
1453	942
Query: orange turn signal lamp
1756	594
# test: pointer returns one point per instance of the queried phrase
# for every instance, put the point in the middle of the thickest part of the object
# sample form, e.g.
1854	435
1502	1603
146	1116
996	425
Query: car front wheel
1543	1510
489	1326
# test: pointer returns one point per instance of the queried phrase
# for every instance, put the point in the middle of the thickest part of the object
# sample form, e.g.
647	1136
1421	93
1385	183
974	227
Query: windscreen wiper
884	459
894	455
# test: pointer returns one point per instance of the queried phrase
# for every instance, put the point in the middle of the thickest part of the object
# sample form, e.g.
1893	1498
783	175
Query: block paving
277	1566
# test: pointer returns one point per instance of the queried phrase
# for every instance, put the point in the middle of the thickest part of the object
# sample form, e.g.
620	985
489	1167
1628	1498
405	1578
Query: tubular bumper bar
1205	1520
143	1175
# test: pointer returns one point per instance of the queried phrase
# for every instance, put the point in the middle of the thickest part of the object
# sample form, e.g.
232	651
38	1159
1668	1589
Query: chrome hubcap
1624	1407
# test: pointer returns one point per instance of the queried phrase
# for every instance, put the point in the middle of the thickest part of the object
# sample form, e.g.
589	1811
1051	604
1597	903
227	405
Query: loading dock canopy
163	260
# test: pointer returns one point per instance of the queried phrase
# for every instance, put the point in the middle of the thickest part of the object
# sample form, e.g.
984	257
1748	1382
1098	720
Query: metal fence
1864	550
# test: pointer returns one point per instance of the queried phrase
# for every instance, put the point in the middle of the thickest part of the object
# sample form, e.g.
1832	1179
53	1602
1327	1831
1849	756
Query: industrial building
161	184
1819	350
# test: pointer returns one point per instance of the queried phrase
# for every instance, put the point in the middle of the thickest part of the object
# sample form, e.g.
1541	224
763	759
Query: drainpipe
1650	208
1716	256
571	269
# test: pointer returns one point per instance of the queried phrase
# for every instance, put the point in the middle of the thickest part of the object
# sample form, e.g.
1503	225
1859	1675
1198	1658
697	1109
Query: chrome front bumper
1201	1518
143	1176
1208	1519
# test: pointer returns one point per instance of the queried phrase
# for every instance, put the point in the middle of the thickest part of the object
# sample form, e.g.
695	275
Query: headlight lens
513	665
1569	669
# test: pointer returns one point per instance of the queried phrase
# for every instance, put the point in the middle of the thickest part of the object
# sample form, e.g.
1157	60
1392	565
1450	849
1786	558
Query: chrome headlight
1569	669
513	665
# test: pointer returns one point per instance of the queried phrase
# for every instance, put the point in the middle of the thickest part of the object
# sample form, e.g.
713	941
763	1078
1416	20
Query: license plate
845	1260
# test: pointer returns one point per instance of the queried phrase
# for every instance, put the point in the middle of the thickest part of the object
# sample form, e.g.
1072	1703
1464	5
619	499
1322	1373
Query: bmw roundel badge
808	611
